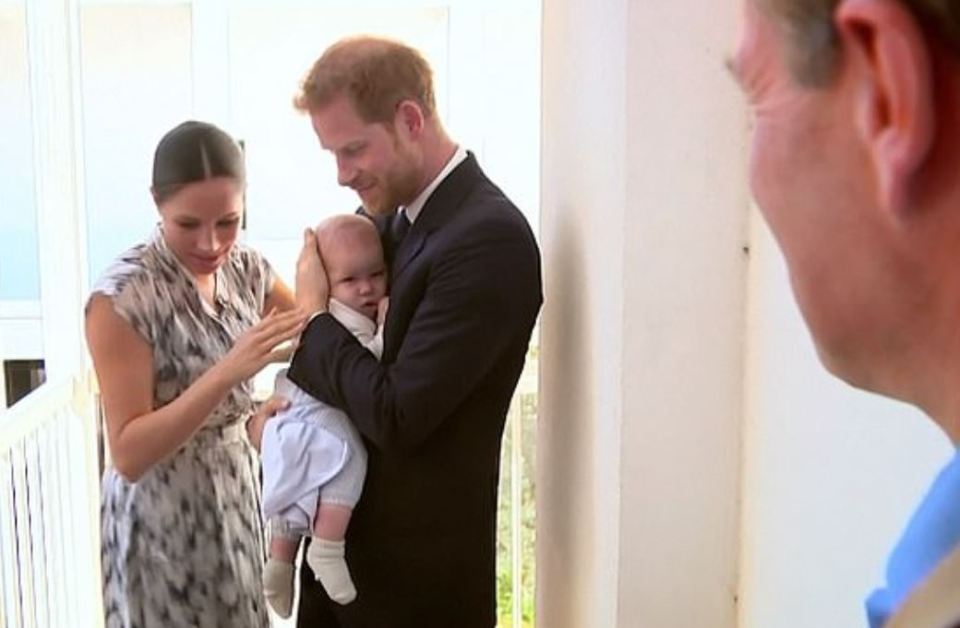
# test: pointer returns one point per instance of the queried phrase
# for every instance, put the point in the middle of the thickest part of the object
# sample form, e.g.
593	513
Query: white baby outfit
312	450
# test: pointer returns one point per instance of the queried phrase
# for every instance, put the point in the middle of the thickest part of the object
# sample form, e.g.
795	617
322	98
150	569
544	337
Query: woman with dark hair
176	327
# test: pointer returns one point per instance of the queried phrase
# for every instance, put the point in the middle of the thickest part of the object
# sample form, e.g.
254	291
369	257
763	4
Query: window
21	377
19	267
19	263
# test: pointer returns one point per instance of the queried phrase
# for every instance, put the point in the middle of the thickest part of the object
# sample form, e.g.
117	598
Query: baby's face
357	273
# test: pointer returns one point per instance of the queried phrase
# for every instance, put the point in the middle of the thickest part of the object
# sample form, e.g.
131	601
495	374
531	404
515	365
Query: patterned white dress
183	546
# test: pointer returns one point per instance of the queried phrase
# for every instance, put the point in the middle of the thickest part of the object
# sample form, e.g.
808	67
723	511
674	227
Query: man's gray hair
812	37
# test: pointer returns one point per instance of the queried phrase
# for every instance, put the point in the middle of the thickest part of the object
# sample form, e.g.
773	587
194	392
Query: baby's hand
382	307
264	413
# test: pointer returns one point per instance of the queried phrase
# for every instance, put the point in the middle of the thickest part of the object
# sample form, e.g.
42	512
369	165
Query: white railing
49	508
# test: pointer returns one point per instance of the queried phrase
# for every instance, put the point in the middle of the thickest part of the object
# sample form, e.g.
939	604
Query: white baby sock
326	558
278	586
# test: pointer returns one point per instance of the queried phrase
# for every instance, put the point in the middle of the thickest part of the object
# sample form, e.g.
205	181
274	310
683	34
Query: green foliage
523	409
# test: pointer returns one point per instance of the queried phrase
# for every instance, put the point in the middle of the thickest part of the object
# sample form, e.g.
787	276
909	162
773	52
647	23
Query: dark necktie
399	228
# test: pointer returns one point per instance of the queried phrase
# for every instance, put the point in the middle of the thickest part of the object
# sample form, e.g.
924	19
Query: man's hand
258	421
312	289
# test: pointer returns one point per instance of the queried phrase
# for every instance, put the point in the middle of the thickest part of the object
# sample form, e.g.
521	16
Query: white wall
131	95
643	224
831	474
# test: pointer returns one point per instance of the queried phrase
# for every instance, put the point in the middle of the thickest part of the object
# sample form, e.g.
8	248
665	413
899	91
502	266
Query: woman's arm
140	436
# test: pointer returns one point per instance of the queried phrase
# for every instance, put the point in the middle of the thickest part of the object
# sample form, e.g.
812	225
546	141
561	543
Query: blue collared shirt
933	531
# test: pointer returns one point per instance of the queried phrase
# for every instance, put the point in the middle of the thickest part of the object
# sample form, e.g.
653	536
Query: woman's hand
259	345
265	412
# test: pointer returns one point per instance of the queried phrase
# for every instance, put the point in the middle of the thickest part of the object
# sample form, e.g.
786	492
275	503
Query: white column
582	219
61	227
53	44
643	230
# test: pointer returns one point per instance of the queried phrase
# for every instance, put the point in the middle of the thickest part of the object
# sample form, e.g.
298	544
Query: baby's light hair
343	227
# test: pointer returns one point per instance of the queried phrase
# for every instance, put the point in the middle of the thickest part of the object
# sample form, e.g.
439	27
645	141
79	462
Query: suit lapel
409	249
442	205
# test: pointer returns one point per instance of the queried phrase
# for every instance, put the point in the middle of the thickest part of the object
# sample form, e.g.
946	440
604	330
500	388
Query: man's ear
409	118
895	109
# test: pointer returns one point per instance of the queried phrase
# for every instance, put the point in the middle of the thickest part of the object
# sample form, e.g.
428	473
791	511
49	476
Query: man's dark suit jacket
465	292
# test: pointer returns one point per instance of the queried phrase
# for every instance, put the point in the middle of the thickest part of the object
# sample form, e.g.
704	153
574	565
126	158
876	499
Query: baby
314	461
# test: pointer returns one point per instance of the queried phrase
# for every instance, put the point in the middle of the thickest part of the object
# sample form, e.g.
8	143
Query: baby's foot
326	560
278	586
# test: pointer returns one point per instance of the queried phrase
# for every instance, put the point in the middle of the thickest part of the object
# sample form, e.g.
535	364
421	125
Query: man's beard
398	188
